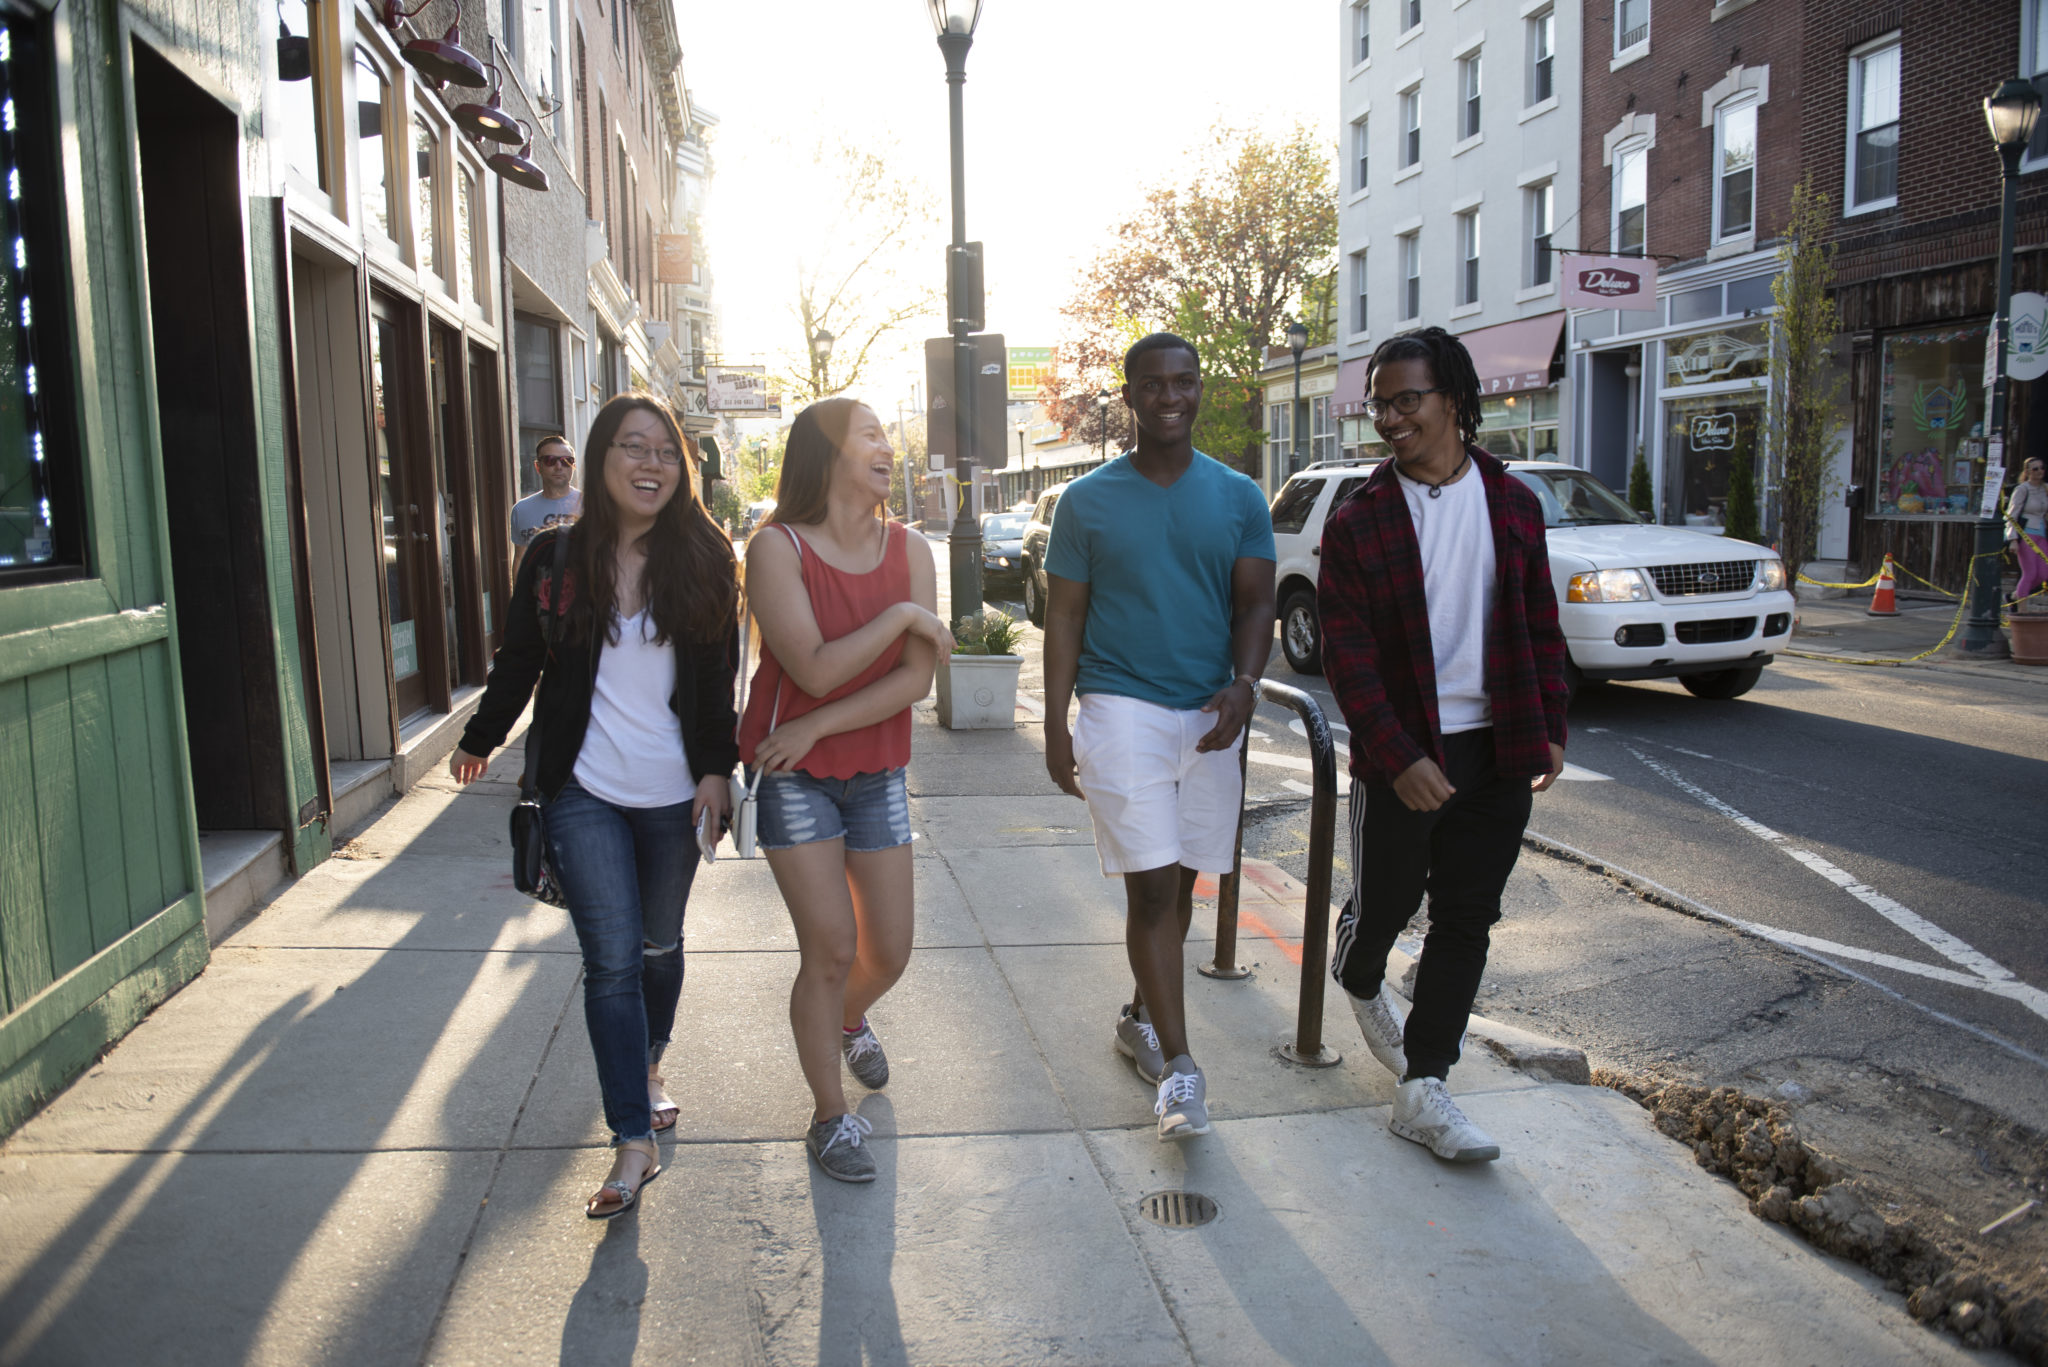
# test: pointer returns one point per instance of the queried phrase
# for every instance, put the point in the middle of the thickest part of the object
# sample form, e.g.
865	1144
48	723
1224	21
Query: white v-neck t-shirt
633	754
1455	532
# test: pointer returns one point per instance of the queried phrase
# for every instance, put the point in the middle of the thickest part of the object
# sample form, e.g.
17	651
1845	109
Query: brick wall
1689	53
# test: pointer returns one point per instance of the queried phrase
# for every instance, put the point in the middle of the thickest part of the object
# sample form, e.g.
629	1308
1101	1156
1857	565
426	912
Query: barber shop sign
1610	282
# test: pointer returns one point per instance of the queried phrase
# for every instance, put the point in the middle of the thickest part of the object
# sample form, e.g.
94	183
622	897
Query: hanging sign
2028	358
1609	282
673	258
737	388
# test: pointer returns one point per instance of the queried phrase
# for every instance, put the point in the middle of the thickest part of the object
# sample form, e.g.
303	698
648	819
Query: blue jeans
870	812
626	872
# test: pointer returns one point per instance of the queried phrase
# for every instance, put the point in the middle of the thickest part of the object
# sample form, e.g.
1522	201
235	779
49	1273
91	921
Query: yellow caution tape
1962	607
1824	584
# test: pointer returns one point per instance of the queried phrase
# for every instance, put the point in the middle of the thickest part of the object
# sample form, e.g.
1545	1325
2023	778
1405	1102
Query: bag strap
746	683
550	632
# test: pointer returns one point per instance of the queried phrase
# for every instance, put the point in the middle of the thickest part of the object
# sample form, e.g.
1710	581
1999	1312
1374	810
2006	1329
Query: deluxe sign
1713	432
1610	282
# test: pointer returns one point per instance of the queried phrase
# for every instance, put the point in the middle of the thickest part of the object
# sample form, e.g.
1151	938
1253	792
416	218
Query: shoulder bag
531	873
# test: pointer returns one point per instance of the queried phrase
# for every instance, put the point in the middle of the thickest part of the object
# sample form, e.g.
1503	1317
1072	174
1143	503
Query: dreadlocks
1448	361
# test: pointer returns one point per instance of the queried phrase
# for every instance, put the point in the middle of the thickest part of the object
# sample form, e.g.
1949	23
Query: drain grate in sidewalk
1178	1209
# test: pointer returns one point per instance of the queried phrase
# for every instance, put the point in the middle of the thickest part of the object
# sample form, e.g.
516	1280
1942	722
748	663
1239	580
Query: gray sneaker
1137	1041
1381	1024
1183	1106
836	1143
864	1056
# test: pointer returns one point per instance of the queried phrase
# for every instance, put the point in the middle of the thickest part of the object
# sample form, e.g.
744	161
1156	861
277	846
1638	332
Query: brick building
1894	133
1689	149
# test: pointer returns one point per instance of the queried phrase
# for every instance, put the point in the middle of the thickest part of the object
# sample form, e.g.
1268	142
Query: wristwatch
1251	679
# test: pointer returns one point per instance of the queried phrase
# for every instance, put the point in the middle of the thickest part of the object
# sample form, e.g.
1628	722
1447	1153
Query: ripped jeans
627	873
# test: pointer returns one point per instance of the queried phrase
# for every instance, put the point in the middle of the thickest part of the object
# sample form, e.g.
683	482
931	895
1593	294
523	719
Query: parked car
1002	550
1634	601
754	515
1037	532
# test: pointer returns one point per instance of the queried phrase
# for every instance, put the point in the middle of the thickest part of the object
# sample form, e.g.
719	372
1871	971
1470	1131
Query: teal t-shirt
1157	563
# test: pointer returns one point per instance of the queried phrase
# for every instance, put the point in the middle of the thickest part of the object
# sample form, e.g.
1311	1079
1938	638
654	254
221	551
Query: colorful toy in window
1941	409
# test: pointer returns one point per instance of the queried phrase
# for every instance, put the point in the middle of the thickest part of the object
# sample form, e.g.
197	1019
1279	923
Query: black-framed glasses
1405	402
667	455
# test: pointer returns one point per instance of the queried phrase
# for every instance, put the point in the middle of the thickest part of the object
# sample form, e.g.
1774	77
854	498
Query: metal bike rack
1307	1047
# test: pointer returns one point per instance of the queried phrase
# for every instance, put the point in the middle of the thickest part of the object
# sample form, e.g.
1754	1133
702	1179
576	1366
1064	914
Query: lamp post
1297	342
2011	111
954	21
821	356
1102	397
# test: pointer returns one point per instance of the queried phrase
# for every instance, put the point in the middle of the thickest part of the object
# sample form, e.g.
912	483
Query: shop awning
1349	396
1511	357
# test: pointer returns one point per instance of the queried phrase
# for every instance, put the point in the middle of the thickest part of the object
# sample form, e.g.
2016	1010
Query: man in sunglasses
558	500
1440	640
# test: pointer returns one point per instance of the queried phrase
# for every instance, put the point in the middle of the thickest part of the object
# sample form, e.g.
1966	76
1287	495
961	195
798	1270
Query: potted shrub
2029	632
978	681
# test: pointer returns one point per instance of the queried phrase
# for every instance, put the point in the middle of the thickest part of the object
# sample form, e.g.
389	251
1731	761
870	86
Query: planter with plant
978	681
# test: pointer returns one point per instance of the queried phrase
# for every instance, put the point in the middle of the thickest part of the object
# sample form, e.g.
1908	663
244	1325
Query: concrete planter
978	692
2029	637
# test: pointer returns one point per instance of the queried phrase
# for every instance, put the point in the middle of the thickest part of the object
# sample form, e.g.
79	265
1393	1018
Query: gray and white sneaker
1379	1020
1425	1113
1137	1041
864	1056
1183	1105
836	1143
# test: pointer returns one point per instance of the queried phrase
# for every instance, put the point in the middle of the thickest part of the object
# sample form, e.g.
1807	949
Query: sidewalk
1844	627
365	1133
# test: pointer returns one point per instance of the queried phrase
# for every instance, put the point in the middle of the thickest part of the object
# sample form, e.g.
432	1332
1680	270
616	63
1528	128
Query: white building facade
1459	160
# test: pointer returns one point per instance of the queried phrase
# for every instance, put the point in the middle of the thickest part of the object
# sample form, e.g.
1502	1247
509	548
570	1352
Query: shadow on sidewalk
602	1328
858	1322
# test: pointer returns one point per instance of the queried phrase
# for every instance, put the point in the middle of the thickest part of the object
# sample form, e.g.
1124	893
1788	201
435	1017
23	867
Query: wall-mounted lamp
438	59
518	167
487	118
294	53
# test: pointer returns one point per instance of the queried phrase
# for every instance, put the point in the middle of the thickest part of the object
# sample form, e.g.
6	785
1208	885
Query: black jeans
1460	854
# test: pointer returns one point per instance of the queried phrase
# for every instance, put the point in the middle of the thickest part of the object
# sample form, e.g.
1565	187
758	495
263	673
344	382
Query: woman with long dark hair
844	599
635	722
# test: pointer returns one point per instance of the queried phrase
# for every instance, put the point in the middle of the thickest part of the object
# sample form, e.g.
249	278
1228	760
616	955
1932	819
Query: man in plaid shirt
1440	640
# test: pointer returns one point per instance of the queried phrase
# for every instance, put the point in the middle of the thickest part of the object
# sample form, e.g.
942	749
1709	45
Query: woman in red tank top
844	600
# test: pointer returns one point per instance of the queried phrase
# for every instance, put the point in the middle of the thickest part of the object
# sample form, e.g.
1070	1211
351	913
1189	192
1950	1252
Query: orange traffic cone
1882	603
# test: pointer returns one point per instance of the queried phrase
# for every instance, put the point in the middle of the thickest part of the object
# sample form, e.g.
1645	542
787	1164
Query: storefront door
455	502
493	507
401	484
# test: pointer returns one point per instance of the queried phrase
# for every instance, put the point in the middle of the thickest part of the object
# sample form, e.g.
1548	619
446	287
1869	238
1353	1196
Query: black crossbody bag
531	873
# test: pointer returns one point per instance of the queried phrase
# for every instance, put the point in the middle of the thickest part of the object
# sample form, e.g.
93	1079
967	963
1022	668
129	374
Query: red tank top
842	603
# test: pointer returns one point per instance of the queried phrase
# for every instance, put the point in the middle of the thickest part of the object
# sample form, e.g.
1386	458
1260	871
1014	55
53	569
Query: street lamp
1102	398
2010	111
1297	342
953	21
821	355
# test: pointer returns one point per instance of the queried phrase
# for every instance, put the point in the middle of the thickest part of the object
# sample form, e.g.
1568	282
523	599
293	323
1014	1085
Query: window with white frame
1360	155
1468	257
1360	318
1411	14
1874	125
1411	275
1542	30
1322	431
1631	198
1541	206
1361	31
1411	127
1735	170
2034	63
1631	24
512	37
1468	95
1280	434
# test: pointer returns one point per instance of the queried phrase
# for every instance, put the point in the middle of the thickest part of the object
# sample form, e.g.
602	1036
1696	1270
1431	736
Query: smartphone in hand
707	836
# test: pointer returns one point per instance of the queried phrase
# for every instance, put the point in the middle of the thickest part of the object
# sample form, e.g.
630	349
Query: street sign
2028	359
737	388
991	402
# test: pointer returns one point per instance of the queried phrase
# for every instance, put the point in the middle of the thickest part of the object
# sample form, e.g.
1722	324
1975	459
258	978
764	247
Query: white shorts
1156	800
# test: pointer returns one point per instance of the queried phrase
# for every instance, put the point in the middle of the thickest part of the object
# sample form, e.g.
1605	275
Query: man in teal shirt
1159	614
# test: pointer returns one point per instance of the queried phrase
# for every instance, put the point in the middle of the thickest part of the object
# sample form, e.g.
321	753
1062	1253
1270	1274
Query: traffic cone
1882	603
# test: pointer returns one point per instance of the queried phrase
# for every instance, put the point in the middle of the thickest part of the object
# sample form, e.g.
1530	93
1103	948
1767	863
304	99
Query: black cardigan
702	701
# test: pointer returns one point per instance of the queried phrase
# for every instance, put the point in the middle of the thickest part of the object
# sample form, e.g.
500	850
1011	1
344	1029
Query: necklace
1436	490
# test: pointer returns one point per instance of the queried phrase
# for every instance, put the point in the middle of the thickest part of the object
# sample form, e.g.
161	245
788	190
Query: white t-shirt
1456	535
633	753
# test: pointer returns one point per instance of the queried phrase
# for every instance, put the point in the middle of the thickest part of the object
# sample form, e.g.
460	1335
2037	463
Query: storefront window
1520	426
426	155
1928	399
1735	353
371	117
1703	439
465	233
297	129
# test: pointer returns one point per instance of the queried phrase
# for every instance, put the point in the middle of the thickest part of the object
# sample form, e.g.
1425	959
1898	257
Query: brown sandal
618	1188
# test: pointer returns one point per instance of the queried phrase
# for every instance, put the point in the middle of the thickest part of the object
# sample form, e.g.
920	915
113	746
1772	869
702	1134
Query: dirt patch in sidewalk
1896	1176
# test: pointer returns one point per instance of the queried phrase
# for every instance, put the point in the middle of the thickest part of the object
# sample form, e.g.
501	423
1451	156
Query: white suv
1634	601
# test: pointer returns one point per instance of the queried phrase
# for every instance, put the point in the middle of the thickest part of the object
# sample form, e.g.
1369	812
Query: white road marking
1575	774
1296	785
1281	761
1260	735
1989	975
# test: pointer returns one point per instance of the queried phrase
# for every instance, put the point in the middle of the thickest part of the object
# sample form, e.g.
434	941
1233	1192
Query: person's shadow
857	1319
603	1323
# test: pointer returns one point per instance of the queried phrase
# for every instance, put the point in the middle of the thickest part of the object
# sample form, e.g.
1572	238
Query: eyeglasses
667	455
555	462
1407	401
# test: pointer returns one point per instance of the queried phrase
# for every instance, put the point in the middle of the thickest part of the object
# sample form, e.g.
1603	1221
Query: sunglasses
555	461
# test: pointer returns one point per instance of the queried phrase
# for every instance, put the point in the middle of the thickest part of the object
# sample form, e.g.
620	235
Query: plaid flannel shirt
1375	630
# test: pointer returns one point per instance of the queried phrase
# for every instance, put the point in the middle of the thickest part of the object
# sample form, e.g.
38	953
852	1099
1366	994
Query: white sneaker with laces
1183	1105
1381	1024
1425	1113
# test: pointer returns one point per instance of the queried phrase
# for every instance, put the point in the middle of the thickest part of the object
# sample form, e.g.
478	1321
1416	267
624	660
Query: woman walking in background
2026	512
636	746
849	637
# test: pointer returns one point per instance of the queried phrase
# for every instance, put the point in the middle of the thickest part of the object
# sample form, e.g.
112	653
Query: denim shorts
869	811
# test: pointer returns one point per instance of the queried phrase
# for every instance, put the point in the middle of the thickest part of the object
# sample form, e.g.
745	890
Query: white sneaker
1425	1113
1381	1024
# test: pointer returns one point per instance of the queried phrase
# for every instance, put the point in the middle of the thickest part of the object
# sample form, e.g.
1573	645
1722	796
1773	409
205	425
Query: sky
1073	109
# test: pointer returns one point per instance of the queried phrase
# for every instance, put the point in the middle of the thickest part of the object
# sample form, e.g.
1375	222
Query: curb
1540	1056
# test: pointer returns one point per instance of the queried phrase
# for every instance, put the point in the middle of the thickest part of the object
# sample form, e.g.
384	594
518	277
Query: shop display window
1733	353
1520	426
297	126
1703	439
1929	398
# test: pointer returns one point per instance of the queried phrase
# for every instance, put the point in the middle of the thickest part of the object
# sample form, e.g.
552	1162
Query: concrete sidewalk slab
961	823
1041	894
445	903
734	905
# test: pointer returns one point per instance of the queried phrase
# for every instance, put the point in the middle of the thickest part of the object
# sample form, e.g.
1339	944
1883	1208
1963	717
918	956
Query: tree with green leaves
1805	386
1742	522
1642	495
1226	256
